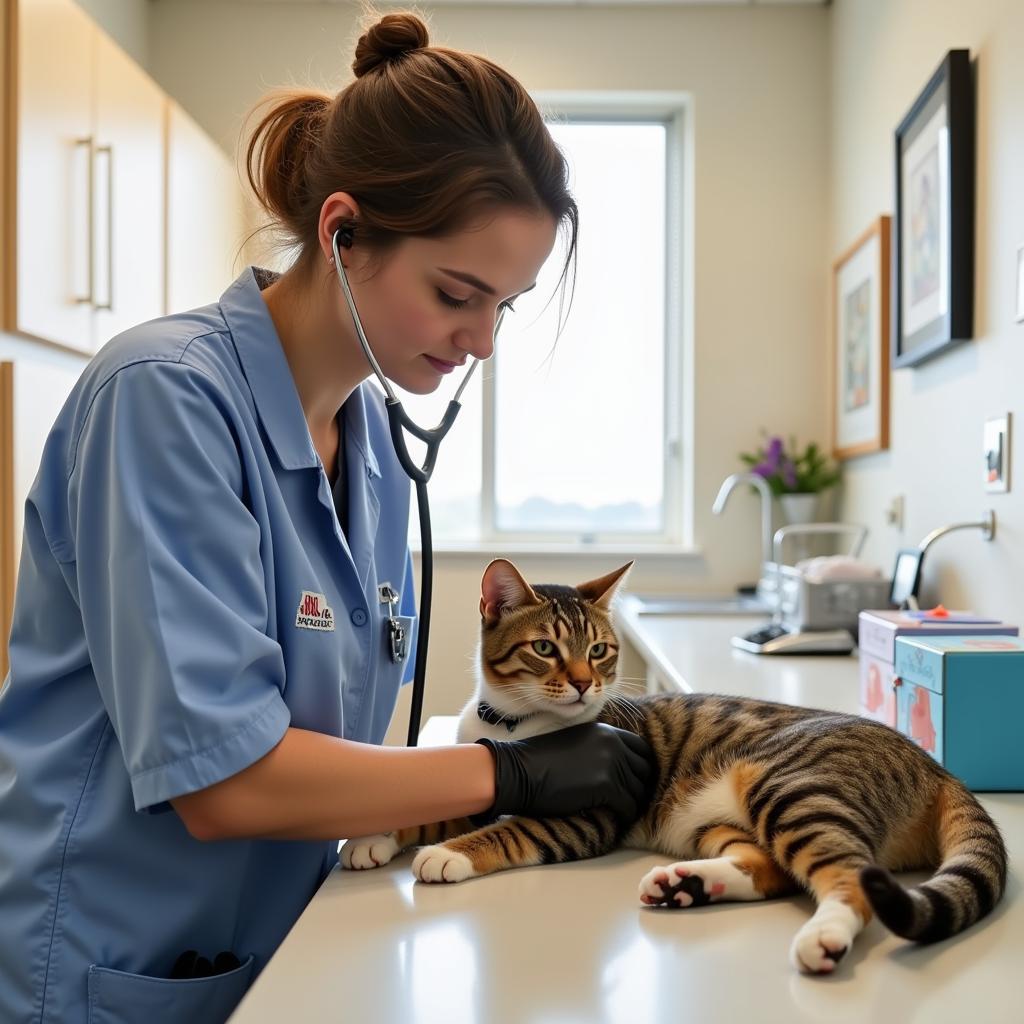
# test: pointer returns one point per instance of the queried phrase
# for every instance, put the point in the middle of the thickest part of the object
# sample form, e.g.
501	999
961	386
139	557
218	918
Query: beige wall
126	22
760	80
938	409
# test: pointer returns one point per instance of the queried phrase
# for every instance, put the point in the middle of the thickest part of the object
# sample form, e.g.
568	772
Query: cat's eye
545	648
598	650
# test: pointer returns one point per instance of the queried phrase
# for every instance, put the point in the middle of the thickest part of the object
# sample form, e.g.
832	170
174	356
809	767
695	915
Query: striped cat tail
967	885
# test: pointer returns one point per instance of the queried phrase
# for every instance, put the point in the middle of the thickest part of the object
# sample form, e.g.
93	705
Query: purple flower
772	455
789	473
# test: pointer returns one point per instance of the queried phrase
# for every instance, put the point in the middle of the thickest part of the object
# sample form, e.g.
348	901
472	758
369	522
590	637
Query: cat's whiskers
632	680
516	696
629	710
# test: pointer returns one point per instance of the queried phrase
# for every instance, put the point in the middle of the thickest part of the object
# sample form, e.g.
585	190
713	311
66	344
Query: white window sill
663	553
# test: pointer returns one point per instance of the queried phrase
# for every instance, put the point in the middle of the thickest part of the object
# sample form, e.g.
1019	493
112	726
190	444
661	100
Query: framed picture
997	454
933	236
860	344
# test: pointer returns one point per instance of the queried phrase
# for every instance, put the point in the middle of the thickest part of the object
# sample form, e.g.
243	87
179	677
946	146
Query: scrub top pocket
117	997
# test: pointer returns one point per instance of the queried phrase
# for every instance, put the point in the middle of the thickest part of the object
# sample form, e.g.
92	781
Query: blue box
961	698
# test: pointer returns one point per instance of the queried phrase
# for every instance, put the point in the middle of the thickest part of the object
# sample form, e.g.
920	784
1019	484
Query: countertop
570	943
693	653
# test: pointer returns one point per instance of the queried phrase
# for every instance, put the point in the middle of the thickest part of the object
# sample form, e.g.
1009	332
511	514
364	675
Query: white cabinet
6	161
31	395
89	182
128	188
6	510
53	103
205	215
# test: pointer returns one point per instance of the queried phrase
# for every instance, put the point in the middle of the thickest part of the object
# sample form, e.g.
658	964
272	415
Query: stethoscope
419	474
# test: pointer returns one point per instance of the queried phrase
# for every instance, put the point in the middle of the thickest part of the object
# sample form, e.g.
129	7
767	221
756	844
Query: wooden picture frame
860	344
933	224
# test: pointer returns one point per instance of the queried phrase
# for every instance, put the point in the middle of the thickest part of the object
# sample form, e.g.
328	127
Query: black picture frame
933	222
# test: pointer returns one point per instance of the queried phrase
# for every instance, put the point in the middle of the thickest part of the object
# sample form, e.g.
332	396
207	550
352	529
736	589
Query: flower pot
799	508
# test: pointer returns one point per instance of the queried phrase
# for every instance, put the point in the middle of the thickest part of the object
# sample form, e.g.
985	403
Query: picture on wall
933	227
860	344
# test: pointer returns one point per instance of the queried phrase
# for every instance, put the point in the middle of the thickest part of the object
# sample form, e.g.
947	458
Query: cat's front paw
439	864
368	851
694	884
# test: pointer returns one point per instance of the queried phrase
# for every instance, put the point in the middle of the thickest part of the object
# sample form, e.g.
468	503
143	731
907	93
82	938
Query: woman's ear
601	591
338	210
502	589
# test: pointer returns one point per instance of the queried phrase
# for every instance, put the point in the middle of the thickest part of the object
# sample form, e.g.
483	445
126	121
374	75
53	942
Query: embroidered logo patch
314	612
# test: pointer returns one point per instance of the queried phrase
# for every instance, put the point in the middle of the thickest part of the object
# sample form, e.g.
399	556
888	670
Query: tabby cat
756	799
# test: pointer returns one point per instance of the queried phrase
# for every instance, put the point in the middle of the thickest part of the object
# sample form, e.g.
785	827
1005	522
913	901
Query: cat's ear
601	591
502	589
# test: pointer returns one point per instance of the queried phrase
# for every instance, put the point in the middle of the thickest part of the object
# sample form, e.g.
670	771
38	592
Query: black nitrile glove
575	769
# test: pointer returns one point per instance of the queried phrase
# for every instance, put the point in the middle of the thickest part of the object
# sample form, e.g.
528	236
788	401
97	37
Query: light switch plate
997	454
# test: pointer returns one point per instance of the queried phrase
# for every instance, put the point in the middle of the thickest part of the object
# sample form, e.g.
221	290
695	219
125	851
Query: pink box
877	693
877	630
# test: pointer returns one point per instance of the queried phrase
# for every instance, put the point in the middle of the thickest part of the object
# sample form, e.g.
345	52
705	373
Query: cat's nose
580	684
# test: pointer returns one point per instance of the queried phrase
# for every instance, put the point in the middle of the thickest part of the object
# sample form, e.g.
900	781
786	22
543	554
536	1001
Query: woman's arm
313	786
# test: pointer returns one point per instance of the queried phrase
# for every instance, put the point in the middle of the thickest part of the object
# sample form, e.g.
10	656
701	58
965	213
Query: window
580	440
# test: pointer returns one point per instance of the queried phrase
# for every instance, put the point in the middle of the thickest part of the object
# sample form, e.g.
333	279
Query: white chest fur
472	727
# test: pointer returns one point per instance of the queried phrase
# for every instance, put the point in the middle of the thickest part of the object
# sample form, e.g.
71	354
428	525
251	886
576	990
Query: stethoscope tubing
398	422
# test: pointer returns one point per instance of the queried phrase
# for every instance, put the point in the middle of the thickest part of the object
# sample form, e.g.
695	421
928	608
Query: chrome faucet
761	484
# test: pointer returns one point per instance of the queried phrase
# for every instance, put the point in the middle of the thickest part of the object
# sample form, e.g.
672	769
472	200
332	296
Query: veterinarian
201	668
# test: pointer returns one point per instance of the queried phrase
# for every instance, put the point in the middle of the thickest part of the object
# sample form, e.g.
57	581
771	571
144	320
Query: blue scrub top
185	595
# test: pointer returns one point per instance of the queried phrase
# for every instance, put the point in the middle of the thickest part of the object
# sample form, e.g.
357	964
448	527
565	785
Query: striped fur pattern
753	799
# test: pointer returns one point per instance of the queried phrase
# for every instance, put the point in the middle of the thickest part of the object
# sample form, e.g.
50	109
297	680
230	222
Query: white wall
938	409
760	78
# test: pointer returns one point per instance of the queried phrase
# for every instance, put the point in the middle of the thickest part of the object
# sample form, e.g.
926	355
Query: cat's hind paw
439	864
368	851
824	940
694	884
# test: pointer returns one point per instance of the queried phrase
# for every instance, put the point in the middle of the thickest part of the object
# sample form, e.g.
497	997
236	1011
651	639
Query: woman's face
434	301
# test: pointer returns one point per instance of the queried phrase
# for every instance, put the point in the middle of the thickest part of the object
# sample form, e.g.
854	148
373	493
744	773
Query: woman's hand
571	770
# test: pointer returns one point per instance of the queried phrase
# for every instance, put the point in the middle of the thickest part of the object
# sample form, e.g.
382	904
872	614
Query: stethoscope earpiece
345	236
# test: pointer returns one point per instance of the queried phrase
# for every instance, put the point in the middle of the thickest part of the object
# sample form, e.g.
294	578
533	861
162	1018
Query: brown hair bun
392	37
463	140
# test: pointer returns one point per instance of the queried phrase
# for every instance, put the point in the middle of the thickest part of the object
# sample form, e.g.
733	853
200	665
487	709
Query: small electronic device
906	578
776	639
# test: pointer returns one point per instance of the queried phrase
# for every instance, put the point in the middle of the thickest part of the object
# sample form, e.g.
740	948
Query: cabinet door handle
87	143
108	152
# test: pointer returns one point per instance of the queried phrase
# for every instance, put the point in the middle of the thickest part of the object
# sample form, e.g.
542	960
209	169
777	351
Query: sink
699	604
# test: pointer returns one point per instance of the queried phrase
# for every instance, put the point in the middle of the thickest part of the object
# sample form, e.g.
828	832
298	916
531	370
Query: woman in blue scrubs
200	681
